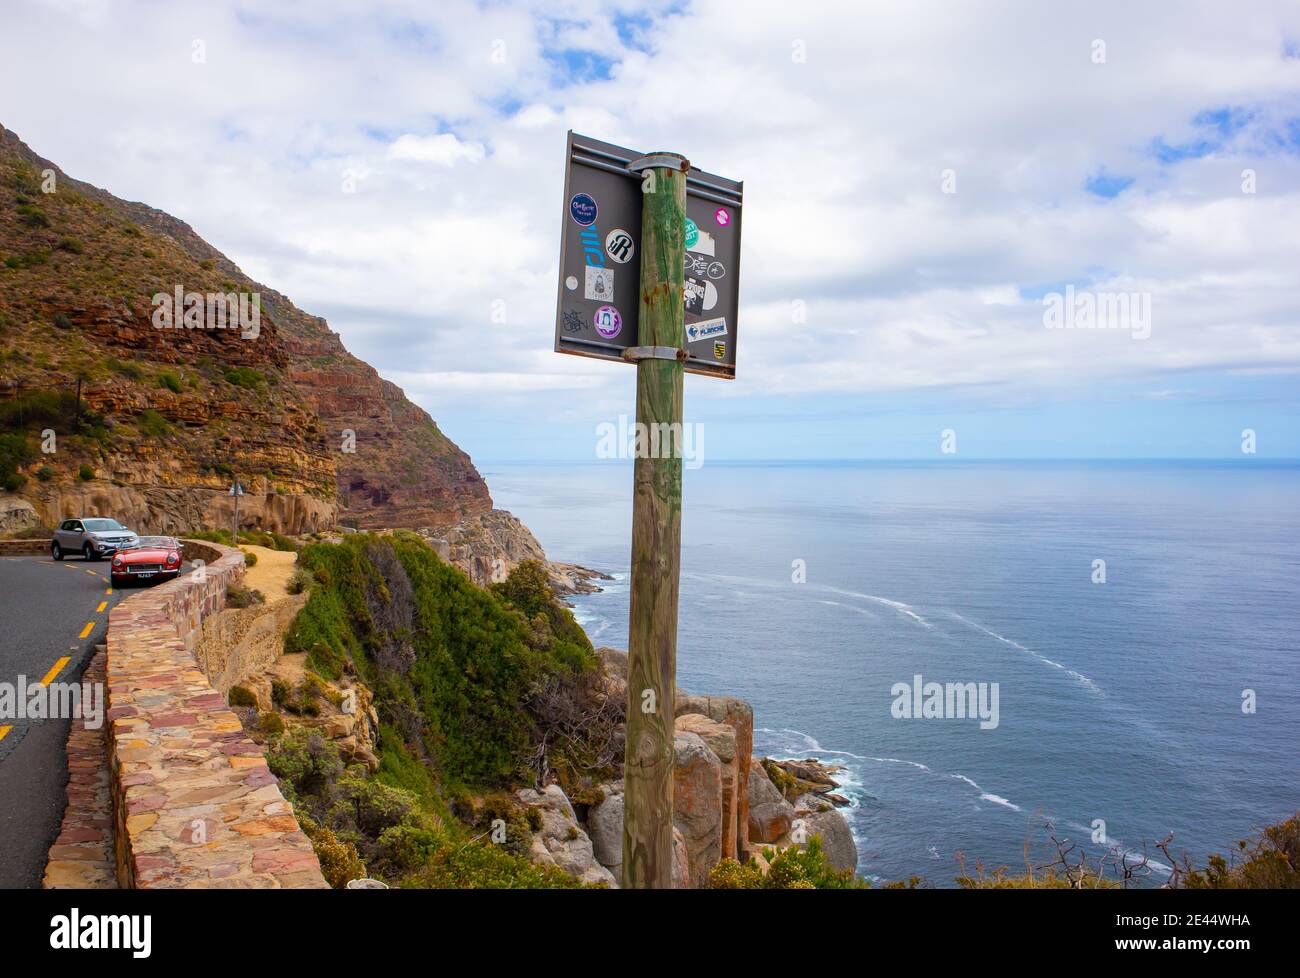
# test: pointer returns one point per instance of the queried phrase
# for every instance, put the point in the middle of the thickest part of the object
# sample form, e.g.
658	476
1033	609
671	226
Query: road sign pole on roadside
679	317
656	528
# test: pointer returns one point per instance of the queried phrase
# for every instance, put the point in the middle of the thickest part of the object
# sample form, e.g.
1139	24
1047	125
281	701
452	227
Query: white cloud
445	149
905	286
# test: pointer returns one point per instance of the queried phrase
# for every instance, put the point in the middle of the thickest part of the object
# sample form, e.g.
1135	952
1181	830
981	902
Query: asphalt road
51	617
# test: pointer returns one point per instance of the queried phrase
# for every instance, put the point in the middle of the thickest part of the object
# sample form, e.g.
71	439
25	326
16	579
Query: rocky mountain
152	424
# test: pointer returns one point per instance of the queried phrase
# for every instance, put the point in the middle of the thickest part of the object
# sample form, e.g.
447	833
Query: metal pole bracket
636	353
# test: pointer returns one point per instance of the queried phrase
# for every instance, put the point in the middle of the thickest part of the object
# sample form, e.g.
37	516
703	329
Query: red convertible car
152	559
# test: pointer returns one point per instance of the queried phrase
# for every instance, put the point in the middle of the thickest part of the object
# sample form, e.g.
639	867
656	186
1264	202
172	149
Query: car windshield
99	526
166	543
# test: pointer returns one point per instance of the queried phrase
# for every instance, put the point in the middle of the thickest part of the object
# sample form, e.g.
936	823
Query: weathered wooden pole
656	527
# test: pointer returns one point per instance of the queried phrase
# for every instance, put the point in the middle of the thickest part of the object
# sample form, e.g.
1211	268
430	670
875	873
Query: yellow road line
58	668
109	591
90	627
102	606
4	731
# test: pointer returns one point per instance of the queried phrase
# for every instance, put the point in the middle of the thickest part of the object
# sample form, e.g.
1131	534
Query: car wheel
56	551
87	553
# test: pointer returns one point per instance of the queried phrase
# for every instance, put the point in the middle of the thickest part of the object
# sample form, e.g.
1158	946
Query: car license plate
145	574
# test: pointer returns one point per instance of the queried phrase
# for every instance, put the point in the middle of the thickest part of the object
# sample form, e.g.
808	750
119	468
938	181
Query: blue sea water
1119	701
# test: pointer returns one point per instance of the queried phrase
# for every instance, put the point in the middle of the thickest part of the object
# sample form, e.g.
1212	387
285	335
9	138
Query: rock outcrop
605	825
488	546
16	514
561	841
770	815
697	804
167	417
739	716
721	740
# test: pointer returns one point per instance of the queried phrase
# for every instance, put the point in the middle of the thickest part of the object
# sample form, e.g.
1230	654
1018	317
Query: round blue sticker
582	208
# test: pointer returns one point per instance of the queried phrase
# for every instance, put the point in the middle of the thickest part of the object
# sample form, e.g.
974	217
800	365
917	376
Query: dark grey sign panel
600	259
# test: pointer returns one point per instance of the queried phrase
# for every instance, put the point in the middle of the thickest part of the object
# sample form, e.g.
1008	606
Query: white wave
987	795
901	607
1078	676
840	604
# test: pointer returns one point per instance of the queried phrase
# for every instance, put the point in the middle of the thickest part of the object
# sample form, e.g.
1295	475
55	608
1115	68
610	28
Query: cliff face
163	419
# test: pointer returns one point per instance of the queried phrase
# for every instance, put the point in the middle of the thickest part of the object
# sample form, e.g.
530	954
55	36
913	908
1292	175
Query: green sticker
692	233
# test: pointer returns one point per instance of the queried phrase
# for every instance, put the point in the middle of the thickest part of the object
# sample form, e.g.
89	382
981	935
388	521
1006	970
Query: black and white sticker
600	284
700	295
620	246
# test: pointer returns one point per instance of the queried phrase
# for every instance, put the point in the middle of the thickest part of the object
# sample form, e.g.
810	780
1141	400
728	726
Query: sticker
692	234
701	267
571	282
706	329
719	351
582	208
572	322
600	284
703	243
722	216
608	322
699	296
619	245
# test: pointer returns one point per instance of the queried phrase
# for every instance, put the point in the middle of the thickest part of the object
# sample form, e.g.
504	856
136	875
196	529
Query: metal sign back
599	295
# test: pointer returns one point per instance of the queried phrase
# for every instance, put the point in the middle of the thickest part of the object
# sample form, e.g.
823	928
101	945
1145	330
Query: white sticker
706	329
600	284
571	282
704	244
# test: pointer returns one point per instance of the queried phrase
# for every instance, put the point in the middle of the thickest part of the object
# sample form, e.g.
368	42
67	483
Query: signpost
236	490
598	308
680	315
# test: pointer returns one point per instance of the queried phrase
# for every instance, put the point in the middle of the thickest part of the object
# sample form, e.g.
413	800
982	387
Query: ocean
1120	703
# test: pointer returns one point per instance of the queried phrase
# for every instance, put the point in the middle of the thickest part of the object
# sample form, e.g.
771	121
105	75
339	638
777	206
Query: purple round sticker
608	322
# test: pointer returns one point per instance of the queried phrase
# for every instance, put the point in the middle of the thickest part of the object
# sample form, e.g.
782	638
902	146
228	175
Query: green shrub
241	696
238	596
245	377
271	724
339	861
127	368
250	558
14	481
62	321
85	473
170	380
45	473
1269	860
33	216
71	245
479	866
153	424
794	868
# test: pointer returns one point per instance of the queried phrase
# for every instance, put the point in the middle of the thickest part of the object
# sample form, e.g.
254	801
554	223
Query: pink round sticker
722	217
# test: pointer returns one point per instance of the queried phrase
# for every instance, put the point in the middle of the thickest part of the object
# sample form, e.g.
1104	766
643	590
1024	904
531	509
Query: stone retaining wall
194	803
24	548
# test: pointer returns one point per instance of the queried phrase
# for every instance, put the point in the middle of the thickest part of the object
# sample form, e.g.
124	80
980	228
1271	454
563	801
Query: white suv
93	537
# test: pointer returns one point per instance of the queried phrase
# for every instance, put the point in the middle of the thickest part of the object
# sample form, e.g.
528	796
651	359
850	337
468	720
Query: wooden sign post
656	528
684	226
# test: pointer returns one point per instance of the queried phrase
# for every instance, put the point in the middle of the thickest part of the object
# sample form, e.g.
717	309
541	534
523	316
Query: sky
923	183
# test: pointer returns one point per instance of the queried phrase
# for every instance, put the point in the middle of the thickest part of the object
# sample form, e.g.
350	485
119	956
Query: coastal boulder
739	715
833	828
560	841
697	805
605	825
721	739
770	815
